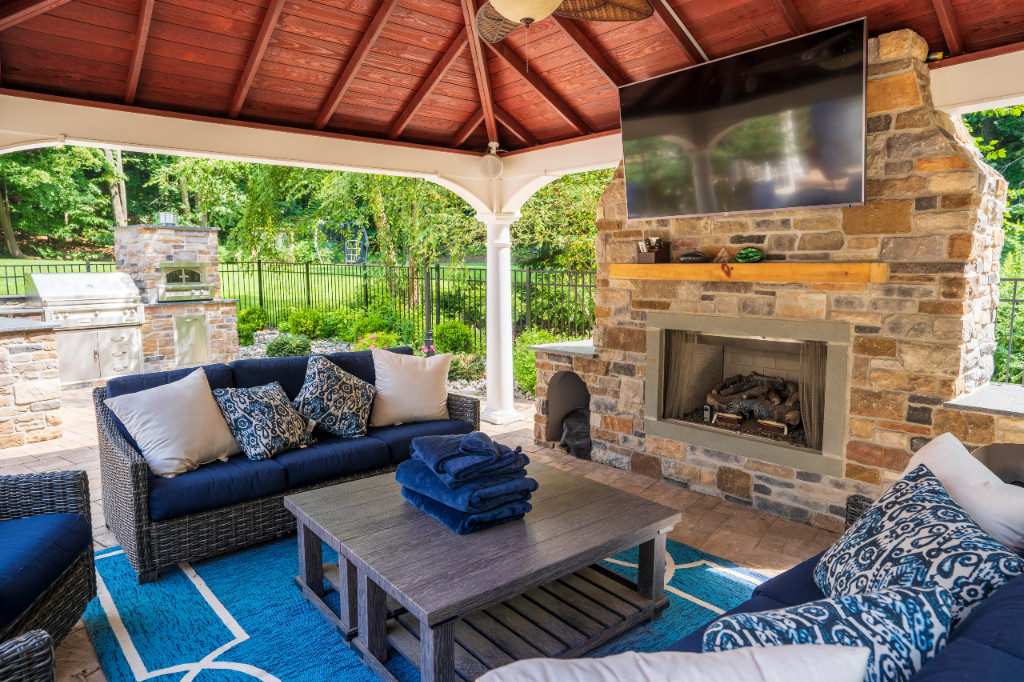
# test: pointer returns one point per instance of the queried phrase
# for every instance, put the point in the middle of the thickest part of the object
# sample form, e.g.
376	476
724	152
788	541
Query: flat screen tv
778	127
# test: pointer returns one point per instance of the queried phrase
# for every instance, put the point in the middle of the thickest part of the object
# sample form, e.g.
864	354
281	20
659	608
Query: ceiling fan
497	18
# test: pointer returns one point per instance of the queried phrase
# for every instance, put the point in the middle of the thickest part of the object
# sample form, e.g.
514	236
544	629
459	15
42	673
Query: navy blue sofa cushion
332	457
795	586
213	486
36	551
399	438
219	375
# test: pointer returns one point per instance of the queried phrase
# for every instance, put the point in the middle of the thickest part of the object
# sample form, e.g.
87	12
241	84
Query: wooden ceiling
408	70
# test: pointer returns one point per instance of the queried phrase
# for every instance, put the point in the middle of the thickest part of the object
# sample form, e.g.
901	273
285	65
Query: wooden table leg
437	652
372	618
651	570
311	560
348	592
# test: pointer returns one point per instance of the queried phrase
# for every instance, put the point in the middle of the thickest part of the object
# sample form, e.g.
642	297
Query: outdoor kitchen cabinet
90	354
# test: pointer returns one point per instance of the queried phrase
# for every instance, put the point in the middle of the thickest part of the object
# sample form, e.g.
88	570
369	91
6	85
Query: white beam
960	88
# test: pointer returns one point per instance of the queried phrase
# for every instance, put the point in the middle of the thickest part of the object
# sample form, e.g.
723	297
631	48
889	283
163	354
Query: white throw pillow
794	663
178	426
409	388
996	506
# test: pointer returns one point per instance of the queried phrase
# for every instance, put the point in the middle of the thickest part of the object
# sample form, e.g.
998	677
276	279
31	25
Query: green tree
557	227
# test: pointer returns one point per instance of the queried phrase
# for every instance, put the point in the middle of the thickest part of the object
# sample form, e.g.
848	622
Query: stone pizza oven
899	349
196	326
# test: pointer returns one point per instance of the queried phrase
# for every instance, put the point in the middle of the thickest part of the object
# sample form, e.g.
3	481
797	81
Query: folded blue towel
463	523
455	466
477	443
478	495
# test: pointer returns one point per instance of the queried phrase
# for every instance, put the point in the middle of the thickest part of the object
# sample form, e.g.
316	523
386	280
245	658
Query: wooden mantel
854	273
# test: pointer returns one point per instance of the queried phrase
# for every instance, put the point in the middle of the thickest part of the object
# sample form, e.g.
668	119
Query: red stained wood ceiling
408	70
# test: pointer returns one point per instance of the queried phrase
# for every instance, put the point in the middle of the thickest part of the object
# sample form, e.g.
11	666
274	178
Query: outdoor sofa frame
151	545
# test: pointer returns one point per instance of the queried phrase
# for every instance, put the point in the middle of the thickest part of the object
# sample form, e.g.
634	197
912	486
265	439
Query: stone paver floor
746	536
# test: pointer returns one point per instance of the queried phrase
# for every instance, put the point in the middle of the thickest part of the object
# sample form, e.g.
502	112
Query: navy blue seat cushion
332	457
694	642
965	660
795	586
36	551
399	438
213	486
997	621
219	375
360	363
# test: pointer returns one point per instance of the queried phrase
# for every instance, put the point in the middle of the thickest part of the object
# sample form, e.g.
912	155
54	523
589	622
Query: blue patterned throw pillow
263	420
915	535
337	401
903	627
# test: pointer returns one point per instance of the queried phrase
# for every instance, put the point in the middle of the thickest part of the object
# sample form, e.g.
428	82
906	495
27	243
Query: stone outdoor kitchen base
912	342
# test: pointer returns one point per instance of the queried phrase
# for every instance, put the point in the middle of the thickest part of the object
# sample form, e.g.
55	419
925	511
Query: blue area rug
240	617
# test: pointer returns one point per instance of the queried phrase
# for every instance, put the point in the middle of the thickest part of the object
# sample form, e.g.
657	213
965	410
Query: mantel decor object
652	251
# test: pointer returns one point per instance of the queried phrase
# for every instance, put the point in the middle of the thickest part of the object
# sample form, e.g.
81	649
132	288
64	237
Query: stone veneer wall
158	349
933	213
29	387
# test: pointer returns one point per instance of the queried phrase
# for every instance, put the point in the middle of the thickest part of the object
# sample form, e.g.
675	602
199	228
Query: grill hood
50	289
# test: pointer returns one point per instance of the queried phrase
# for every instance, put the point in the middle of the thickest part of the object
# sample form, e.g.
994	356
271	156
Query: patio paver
746	536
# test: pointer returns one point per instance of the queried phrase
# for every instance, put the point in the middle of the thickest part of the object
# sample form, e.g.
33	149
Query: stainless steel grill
99	317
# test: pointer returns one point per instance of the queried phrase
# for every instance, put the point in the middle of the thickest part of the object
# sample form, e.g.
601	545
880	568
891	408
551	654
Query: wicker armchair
151	545
28	658
61	492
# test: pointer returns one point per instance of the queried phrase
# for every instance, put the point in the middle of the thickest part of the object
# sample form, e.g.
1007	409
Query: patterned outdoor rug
240	617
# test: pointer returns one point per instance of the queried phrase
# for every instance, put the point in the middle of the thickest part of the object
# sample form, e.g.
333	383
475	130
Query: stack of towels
468	483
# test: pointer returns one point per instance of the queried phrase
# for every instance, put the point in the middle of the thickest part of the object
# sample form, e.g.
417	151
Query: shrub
288	345
453	337
365	325
467	366
246	335
304	321
378	340
336	323
524	360
255	317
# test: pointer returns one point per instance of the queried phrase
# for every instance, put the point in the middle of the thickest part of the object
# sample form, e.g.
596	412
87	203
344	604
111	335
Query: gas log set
755	402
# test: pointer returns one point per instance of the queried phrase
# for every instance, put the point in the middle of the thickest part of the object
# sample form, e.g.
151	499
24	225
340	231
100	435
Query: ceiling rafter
543	89
139	50
673	25
255	57
16	11
483	76
355	61
796	22
467	128
438	72
950	27
515	127
593	53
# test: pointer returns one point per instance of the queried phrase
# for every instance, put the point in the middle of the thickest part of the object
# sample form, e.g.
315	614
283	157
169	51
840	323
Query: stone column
500	407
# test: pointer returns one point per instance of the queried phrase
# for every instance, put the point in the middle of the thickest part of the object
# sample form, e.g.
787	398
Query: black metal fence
1009	353
558	301
12	277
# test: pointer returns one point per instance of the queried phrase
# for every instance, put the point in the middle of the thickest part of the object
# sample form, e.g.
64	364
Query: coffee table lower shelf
563	619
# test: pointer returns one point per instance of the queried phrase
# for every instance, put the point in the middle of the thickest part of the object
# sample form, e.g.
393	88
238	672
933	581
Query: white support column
500	407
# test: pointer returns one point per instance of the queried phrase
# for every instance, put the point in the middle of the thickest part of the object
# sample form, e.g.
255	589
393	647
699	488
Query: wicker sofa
227	505
47	572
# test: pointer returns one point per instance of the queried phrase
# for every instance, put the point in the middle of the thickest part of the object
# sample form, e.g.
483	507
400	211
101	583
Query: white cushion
409	388
996	506
794	663
178	426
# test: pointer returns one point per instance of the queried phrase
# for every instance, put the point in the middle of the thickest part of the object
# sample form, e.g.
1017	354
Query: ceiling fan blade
491	26
605	10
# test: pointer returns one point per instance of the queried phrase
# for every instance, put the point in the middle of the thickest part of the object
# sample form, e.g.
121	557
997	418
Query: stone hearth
918	339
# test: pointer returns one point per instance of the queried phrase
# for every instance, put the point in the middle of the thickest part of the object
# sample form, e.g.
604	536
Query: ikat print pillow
337	401
263	420
903	627
915	535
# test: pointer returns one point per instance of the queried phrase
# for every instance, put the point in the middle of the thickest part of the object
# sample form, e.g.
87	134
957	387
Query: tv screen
777	127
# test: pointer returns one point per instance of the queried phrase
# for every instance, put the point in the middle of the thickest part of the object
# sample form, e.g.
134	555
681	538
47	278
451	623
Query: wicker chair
28	658
61	492
151	545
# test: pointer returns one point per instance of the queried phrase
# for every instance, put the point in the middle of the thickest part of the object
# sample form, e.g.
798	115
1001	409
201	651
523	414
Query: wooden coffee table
456	606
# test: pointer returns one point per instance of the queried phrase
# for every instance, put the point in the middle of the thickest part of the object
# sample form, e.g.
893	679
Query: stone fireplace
902	291
187	323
